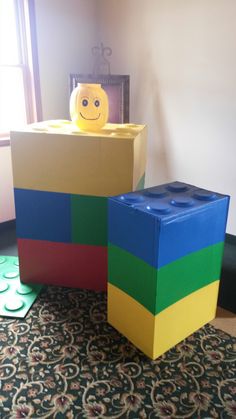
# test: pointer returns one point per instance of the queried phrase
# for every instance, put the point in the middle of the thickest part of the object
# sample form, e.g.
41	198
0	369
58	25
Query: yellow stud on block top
89	107
154	335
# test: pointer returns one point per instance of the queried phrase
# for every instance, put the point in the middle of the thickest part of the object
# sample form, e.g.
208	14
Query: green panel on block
188	274
16	298
141	183
133	276
158	289
89	220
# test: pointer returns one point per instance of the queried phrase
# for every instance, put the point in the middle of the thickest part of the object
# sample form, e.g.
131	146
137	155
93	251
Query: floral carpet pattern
64	361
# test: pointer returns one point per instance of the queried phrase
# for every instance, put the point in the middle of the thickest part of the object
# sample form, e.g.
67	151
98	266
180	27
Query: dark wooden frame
121	89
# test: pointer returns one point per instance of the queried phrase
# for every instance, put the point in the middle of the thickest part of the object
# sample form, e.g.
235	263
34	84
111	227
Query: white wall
65	34
181	56
7	209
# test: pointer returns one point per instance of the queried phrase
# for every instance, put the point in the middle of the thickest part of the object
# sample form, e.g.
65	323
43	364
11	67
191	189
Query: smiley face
89	107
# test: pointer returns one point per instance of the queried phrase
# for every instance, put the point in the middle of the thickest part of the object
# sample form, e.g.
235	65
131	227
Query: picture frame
117	88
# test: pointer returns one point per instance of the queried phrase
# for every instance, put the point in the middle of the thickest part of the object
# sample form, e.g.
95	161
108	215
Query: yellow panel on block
55	156
140	156
154	335
131	319
183	318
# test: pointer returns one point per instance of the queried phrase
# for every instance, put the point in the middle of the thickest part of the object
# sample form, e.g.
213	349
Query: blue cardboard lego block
167	222
43	215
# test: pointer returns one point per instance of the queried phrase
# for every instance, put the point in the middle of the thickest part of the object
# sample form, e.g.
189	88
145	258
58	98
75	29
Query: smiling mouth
90	119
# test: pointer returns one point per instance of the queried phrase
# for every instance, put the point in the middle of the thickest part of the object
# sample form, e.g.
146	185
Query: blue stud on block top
163	223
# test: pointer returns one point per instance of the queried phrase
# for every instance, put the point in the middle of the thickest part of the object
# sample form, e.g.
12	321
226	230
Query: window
18	84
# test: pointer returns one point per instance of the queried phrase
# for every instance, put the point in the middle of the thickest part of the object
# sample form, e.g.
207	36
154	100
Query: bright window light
9	47
16	93
12	98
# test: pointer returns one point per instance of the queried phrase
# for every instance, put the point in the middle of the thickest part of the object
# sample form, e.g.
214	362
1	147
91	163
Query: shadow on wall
149	109
135	53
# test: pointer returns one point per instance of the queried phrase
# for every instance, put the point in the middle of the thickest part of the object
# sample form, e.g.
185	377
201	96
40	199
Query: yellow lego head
89	107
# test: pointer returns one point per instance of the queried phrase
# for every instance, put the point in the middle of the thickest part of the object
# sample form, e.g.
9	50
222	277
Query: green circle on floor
14	305
3	286
24	289
11	274
2	259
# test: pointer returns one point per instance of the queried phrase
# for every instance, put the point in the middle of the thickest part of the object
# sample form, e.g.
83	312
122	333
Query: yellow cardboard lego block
154	335
55	156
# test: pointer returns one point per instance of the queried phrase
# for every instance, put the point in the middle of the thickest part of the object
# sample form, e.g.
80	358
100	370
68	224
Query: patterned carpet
64	361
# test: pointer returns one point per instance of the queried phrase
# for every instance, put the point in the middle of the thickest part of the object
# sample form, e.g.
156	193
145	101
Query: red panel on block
63	264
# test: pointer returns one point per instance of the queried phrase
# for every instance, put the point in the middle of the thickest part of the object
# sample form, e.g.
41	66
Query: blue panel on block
164	223
133	230
43	215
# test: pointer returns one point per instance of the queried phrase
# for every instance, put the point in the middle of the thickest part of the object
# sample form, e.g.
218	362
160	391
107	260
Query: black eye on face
85	102
97	103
